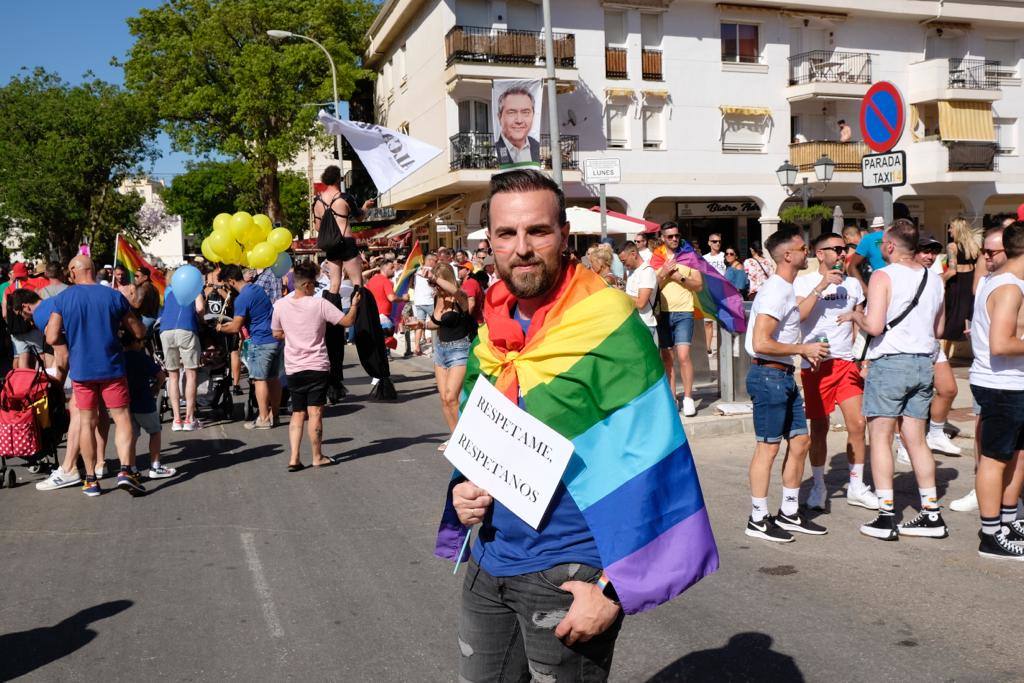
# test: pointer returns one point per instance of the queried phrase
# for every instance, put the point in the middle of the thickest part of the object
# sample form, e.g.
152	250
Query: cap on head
877	222
18	270
925	240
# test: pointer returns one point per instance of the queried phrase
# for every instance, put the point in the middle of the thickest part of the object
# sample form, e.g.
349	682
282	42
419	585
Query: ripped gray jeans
507	629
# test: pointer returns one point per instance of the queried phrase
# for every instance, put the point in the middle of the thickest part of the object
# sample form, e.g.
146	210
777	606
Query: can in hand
822	339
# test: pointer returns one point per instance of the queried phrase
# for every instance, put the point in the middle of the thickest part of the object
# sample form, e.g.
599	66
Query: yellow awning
966	121
915	121
618	92
746	111
656	93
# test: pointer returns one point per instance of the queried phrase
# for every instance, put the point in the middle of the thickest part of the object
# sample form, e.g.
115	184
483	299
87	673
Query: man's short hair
515	90
230	271
851	231
305	272
525	180
824	237
19	297
778	239
629	248
144	270
905	234
715	234
54	270
667	225
842	121
1013	239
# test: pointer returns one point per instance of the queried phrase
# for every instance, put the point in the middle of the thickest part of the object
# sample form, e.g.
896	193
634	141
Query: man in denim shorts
900	381
676	285
772	340
422	301
254	310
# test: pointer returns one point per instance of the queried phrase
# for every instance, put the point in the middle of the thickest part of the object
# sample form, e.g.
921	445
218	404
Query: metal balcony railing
651	64
974	74
846	155
972	156
615	62
476	151
830	66
507	46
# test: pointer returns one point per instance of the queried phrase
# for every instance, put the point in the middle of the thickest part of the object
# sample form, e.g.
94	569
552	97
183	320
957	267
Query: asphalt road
238	570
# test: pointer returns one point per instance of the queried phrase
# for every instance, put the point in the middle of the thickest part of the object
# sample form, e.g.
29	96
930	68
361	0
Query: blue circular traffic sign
882	116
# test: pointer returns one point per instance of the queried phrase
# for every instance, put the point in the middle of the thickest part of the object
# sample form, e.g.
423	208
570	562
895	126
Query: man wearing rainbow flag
626	529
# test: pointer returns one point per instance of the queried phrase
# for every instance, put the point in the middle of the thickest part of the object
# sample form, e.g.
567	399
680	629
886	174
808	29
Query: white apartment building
702	101
167	247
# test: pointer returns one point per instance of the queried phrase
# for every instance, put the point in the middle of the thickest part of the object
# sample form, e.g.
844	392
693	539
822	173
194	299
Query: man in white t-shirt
641	285
900	381
422	301
642	248
997	382
716	257
822	297
773	338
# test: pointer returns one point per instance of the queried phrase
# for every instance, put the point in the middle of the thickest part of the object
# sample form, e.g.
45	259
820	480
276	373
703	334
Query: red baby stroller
33	420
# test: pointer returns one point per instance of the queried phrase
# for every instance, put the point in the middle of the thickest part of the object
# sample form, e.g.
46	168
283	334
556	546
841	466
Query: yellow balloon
240	223
252	236
243	260
263	221
222	221
232	253
280	239
263	256
220	241
209	253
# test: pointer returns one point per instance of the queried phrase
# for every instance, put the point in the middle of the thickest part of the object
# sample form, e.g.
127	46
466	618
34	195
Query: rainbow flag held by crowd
128	253
404	280
718	299
589	369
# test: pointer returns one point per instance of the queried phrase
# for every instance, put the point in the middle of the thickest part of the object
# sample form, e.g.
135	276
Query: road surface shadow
746	657
203	461
25	651
391	445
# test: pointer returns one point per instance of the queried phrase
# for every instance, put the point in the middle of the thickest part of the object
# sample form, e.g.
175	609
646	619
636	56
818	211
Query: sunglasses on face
992	252
839	251
670	237
714	241
730	253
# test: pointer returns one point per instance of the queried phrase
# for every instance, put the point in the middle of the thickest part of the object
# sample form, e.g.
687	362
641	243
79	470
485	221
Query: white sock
857	474
155	465
790	501
819	474
885	502
758	508
935	428
898	441
928	497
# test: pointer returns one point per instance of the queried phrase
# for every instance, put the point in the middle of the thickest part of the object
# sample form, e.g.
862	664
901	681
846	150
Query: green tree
219	84
208	188
63	152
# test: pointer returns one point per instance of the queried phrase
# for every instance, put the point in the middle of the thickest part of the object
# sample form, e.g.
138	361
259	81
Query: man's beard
528	285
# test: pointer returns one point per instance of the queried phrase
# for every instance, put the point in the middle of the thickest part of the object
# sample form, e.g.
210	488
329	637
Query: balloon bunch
249	241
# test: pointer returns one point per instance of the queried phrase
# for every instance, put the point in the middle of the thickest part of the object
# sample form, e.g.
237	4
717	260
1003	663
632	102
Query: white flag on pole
389	156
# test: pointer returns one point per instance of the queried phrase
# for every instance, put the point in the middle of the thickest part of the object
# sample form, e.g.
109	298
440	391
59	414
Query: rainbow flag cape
589	369
128	253
404	281
718	299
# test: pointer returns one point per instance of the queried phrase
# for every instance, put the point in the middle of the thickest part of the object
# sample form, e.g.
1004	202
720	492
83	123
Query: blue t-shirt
41	316
508	546
92	316
870	248
253	305
141	371
178	317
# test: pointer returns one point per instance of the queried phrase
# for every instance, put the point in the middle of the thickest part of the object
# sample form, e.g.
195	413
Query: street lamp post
285	35
824	168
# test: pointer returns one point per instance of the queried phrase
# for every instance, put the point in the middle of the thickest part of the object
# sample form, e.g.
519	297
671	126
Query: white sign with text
512	455
601	171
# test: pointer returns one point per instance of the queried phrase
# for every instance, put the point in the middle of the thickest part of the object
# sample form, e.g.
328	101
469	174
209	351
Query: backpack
329	236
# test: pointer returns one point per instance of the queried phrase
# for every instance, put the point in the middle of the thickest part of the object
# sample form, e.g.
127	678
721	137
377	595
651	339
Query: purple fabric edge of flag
735	318
669	564
451	532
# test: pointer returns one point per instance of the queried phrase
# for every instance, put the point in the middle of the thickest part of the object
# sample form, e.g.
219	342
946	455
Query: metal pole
549	60
337	102
887	205
604	213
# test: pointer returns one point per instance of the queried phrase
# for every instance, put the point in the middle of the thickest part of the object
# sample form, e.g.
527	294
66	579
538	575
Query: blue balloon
186	284
282	265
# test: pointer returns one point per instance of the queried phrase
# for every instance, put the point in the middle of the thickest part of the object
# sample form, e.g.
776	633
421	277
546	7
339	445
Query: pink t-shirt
304	322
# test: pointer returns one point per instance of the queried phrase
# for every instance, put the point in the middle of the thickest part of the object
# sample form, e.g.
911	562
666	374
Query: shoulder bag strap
898	319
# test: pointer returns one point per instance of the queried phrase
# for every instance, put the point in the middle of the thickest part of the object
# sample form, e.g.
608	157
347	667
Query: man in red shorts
822	297
91	315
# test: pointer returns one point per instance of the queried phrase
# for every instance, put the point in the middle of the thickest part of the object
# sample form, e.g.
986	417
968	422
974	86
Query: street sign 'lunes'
882	115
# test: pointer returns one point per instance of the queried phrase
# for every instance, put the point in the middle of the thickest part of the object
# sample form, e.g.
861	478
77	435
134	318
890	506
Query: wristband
607	589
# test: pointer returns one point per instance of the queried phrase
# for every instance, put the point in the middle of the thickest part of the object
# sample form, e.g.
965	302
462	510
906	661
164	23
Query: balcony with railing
615	63
475	44
829	74
974	74
970	78
935	161
651	64
476	151
846	155
972	156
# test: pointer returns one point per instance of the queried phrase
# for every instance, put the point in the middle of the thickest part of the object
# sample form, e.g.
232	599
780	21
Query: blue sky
71	38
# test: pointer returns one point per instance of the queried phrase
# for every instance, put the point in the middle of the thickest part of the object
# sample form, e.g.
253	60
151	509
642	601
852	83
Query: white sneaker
817	497
177	426
942	443
861	496
902	456
161	472
968	503
689	407
101	469
59	479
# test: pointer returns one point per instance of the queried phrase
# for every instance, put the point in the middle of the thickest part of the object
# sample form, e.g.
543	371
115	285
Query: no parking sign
882	116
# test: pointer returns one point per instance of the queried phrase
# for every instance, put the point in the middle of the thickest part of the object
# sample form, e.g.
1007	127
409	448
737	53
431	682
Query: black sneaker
928	524
997	546
767	530
1014	532
883	528
800	525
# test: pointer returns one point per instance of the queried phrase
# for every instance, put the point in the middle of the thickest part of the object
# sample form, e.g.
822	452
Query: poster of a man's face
516	105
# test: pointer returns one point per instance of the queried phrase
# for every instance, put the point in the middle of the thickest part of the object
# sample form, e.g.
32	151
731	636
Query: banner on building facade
517	106
389	156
